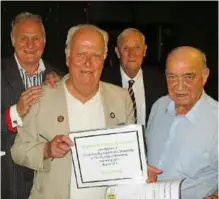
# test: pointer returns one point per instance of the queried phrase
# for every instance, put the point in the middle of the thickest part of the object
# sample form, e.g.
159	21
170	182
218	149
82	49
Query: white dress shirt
28	82
138	88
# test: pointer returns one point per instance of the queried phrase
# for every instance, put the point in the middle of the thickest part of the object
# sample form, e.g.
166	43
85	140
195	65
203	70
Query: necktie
131	92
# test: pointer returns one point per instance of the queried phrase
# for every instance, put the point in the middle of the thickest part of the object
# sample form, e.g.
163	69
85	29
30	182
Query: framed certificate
108	157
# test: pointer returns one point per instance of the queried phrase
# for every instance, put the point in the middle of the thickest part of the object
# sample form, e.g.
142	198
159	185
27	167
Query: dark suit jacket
154	83
16	181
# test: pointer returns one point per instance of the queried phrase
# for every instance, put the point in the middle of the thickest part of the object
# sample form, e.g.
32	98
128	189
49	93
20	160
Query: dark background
164	24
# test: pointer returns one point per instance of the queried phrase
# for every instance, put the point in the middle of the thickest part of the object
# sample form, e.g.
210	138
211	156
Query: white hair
24	16
72	31
129	30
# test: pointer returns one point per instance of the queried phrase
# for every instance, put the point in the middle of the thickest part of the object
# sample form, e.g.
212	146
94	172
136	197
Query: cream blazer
52	179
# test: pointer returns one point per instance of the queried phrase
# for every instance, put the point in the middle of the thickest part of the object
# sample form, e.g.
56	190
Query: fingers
28	98
52	78
59	146
66	140
152	173
153	169
51	83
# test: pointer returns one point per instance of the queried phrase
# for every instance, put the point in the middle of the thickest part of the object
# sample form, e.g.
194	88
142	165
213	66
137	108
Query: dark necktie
131	92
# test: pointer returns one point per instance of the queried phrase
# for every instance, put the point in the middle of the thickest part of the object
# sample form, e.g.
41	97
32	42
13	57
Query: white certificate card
109	156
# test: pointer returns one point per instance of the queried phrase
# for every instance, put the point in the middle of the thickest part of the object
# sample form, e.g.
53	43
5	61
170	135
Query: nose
30	43
131	52
88	61
180	83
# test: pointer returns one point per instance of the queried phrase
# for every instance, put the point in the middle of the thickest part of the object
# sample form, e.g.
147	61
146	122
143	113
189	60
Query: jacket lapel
61	112
107	107
12	75
146	91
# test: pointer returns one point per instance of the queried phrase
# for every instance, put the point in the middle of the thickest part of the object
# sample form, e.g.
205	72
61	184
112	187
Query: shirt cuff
15	118
8	120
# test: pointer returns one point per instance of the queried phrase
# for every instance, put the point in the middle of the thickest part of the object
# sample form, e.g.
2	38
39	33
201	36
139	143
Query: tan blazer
52	179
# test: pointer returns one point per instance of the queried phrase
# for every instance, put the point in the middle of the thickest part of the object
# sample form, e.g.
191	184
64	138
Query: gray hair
72	31
23	16
204	59
129	30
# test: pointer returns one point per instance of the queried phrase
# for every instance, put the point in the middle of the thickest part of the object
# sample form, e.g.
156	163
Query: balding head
130	30
86	28
188	52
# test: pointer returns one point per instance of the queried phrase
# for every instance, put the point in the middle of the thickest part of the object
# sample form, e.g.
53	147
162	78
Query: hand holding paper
58	147
152	173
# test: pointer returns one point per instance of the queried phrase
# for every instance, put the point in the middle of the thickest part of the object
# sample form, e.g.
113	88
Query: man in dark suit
149	83
21	77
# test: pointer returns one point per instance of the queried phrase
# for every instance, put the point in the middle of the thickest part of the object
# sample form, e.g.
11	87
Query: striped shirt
35	79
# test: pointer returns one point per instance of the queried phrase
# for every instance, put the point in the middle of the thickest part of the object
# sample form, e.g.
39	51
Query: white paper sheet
109	156
158	190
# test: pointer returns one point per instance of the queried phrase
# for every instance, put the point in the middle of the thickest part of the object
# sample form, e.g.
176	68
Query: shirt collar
194	112
40	68
127	78
96	97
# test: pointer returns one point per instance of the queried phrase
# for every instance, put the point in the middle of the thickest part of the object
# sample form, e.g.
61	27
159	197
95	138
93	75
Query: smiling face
131	51
28	39
85	58
186	76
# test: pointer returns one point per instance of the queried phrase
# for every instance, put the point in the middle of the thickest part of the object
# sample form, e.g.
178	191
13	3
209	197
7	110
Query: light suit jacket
52	179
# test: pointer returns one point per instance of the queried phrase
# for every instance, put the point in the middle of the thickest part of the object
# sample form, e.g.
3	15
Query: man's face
86	57
186	78
28	41
131	50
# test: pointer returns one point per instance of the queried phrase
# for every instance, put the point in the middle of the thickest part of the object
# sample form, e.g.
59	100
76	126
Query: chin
87	82
182	102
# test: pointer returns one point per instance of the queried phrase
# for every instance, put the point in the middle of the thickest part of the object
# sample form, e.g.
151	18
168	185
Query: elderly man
80	102
21	77
145	84
182	133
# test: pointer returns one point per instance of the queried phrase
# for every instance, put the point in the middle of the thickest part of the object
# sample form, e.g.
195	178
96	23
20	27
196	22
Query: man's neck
131	72
184	109
30	68
82	93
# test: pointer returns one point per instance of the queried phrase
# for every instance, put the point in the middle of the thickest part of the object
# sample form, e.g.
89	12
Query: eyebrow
181	74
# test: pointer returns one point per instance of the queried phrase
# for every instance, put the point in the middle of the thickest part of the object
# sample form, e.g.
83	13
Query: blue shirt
185	146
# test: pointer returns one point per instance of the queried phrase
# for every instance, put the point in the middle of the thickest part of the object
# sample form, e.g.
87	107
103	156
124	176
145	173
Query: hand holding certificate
109	156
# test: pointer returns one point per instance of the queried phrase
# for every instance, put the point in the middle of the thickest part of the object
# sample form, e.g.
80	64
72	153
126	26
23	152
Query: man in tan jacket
80	102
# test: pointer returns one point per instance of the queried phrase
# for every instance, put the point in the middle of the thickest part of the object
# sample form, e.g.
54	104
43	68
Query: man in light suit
149	83
80	102
21	77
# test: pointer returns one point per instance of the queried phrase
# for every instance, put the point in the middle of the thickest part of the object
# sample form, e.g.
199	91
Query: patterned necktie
131	92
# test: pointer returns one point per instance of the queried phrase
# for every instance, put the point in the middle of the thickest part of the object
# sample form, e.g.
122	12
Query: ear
12	41
117	52
67	57
145	49
205	75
